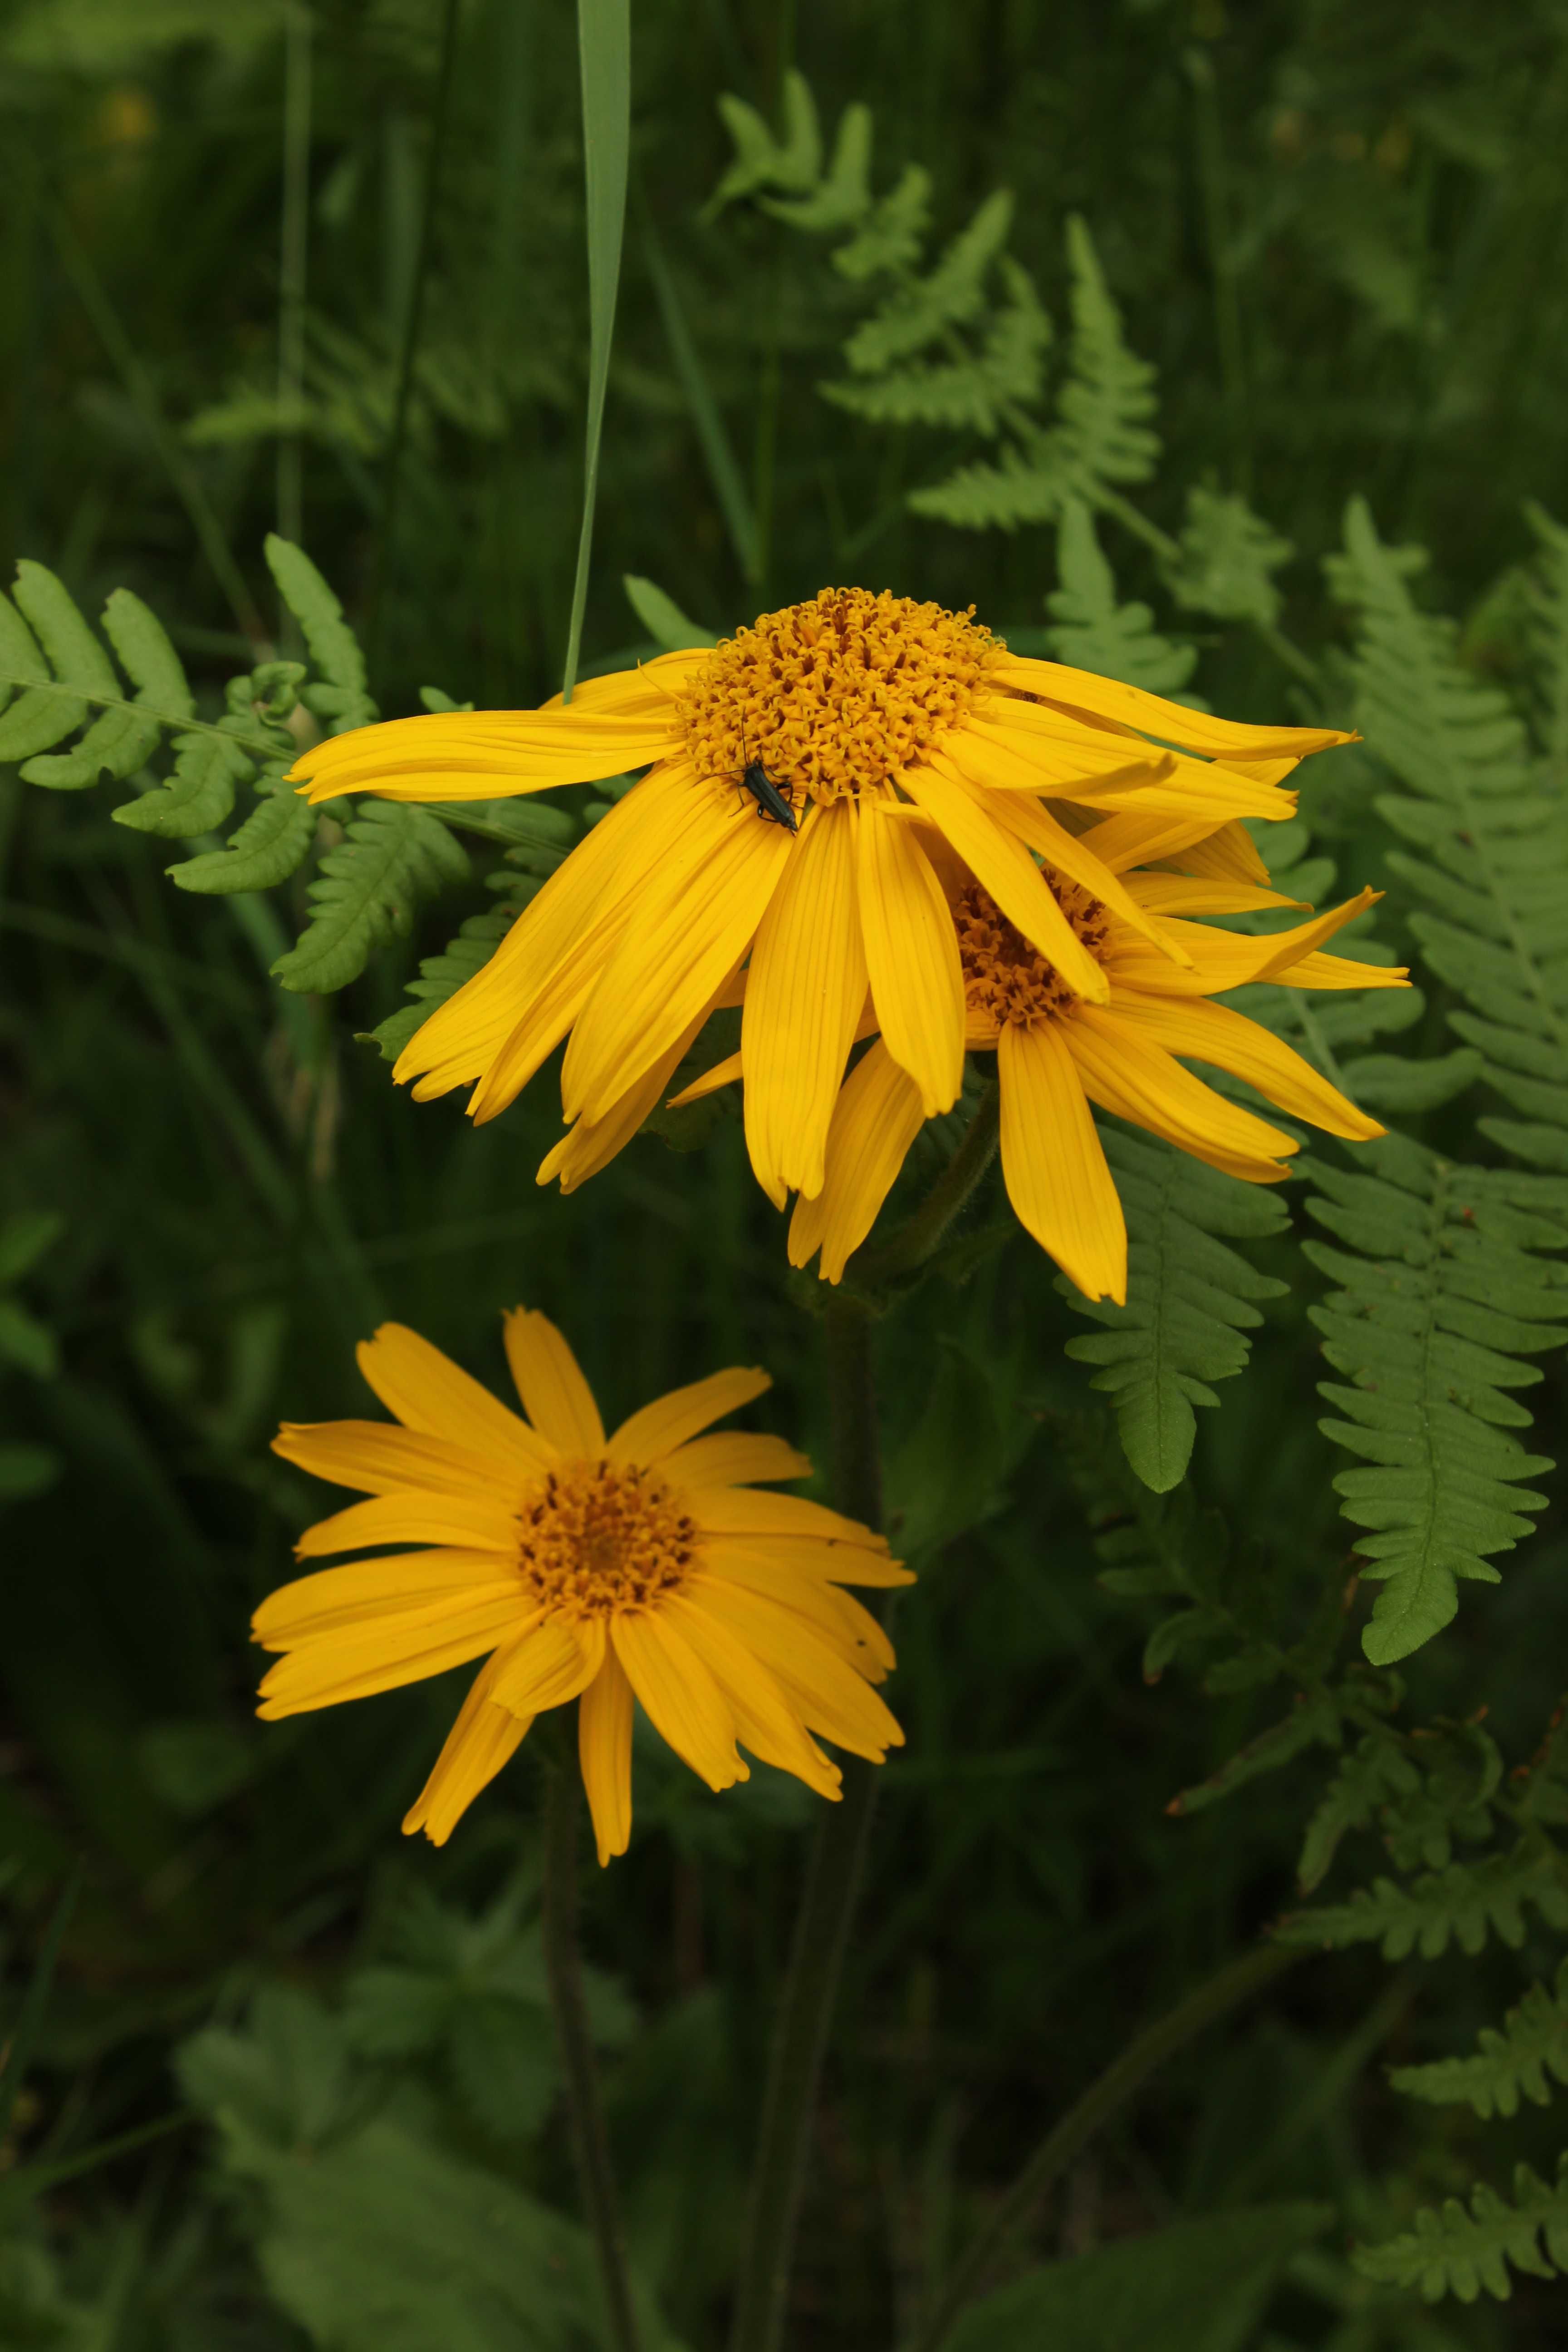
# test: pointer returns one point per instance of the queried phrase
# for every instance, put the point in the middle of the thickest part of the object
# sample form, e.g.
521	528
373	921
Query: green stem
413	325
293	261
584	2113
920	1239
1235	1983
827	1905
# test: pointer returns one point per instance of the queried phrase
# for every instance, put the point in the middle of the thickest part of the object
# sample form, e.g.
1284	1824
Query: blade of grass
718	453
605	44
294	262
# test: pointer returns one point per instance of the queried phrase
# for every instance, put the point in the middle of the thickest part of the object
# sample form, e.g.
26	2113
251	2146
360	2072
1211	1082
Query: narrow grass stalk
827	1906
292	275
604	42
1228	1987
585	2111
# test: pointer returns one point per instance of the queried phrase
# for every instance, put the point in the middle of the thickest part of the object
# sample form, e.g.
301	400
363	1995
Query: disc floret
598	1538
1007	981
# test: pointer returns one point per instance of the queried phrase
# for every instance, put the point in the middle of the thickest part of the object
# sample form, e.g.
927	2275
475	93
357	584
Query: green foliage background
1162	334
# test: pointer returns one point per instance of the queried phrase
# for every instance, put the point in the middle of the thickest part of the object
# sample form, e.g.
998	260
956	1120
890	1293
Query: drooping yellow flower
1058	1052
581	1567
859	709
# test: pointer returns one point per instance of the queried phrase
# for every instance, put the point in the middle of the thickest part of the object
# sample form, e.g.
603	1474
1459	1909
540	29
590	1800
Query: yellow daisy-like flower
581	1567
854	710
1058	1052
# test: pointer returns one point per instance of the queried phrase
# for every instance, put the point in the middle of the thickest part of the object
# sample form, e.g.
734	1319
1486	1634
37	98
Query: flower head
579	1567
1058	1052
863	712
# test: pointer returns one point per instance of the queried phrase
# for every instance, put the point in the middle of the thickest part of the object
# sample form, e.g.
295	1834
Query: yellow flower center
598	1538
837	695
1006	979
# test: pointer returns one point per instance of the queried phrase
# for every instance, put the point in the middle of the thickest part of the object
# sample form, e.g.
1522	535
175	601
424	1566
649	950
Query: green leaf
118	742
195	1767
974	392
1377	1771
199	795
269	847
661	616
893	232
1197	2286
26	1342
393	855
1506	2066
605	48
441	976
1190	1298
334	646
26	1236
1443	1290
918	310
1455	2252
504	2063
40	718
1091	630
1108	397
1462	1904
1226	559
842	196
793	163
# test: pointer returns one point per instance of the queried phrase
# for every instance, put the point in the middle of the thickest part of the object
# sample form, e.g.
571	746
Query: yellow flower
1058	1052
581	1567
861	710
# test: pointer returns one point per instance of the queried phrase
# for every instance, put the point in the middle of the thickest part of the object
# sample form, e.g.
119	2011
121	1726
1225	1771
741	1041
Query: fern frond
793	163
271	843
1505	2066
1104	407
1226	561
441	976
1463	1904
1547	591
1377	1771
842	196
1002	495
1446	1292
1452	2251
972	392
892	236
393	855
1190	1299
340	694
1091	630
59	649
918	309
1487	843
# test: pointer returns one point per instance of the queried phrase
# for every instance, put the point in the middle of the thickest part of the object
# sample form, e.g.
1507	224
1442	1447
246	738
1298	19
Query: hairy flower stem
585	2114
1231	1985
827	1905
923	1234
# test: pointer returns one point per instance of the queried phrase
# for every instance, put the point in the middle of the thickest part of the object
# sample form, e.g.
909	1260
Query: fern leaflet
1452	2251
393	855
1091	630
1534	2044
1461	1904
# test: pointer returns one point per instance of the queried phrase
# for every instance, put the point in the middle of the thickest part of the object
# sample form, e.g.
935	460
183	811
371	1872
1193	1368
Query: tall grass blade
605	41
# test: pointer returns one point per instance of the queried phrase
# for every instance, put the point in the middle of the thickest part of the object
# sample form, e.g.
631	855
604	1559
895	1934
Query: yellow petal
1230	854
605	1754
835	1614
531	990
912	957
482	1739
876	1118
1018	748
1068	855
679	1697
393	1586
1216	1033
1137	838
1053	1164
830	1696
733	1457
475	755
378	1456
1151	714
428	1392
1188	894
554	1662
722	1074
383	1653
654	685
593	1143
805	1556
741	1511
482	1522
1173	783
999	861
555	1396
657	1429
670	961
1125	1074
804	988
1226	960
765	1720
1341	972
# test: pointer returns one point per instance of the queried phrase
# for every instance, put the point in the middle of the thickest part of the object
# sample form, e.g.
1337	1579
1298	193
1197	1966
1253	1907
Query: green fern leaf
1446	1291
340	695
1506	2066
271	843
1006	495
1228	558
199	795
842	197
973	393
1189	1298
1547	591
1377	1771
1487	846
118	741
1454	2251
918	309
393	855
793	163
1462	1904
893	234
441	976
1105	405
46	636
1091	630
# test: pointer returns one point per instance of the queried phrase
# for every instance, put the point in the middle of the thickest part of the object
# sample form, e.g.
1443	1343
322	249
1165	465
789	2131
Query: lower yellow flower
1058	1052
581	1567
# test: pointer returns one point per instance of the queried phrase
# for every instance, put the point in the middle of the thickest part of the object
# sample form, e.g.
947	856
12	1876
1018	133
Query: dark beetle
770	801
